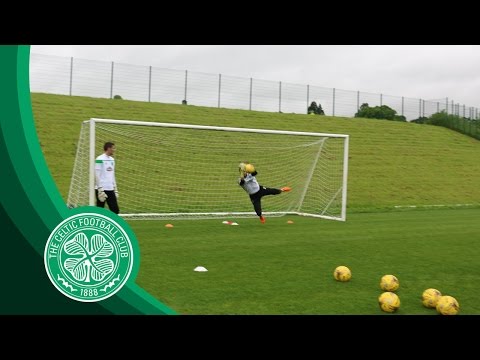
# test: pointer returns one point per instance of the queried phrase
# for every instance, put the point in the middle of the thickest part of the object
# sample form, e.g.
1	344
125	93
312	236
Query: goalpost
180	171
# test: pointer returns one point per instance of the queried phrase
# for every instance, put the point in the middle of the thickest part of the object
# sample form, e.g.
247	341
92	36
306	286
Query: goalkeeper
250	184
105	184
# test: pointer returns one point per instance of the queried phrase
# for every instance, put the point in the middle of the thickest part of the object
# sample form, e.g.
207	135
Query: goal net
178	171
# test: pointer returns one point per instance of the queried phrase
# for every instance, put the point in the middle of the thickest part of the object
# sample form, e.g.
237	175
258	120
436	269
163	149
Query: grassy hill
391	163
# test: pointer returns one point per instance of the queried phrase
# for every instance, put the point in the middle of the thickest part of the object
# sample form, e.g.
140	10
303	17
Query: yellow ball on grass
342	273
389	283
430	298
389	302
448	305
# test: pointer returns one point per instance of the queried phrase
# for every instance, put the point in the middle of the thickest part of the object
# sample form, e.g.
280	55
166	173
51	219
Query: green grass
281	268
287	269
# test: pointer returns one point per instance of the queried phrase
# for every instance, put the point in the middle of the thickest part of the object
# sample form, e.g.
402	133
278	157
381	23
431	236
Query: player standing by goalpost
105	184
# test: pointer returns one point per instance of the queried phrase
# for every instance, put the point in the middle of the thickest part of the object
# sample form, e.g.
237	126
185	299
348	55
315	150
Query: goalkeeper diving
249	183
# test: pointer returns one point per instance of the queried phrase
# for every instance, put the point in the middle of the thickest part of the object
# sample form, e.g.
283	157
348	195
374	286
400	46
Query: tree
379	112
320	110
117	97
315	109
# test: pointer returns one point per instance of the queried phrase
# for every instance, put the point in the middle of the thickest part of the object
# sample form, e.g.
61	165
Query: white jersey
250	184
105	172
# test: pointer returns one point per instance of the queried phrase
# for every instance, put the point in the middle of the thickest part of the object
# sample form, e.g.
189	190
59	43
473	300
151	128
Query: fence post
71	75
403	105
111	82
280	97
463	110
438	107
453	111
186	84
423	112
333	107
420	108
150	84
381	99
251	87
358	100
446	108
219	87
308	97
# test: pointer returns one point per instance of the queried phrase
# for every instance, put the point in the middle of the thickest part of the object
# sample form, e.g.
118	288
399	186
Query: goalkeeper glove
241	168
101	195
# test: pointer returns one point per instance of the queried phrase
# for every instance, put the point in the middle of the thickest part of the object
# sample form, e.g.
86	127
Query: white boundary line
422	206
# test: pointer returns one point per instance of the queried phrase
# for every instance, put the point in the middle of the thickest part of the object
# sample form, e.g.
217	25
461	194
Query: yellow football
389	302
448	305
342	273
389	283
249	168
430	298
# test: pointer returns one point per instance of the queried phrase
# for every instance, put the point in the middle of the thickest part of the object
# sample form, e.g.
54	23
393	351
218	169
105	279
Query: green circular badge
88	257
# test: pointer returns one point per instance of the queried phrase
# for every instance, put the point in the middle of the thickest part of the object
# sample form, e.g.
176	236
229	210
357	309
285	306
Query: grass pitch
281	268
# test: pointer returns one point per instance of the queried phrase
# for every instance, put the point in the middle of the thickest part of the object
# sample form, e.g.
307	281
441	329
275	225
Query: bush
184	102
379	112
462	125
443	119
117	97
420	120
315	109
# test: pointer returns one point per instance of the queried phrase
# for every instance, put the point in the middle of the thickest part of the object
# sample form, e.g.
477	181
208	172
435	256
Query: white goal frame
92	156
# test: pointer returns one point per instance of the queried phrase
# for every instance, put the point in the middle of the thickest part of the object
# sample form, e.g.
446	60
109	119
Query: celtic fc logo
88	257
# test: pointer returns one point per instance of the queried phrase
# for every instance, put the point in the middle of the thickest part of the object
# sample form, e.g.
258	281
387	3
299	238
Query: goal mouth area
189	172
218	215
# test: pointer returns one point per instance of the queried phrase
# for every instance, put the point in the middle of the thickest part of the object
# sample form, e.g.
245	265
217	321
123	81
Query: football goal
180	171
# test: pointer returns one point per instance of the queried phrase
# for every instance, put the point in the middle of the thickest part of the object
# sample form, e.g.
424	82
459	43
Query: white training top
105	172
251	184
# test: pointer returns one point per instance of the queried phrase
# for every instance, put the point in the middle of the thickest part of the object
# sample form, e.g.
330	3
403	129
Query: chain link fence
80	77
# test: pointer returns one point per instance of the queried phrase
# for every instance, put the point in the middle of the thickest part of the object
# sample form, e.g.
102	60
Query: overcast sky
417	71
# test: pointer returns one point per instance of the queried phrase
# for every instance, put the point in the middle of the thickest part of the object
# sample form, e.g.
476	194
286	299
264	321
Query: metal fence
80	77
